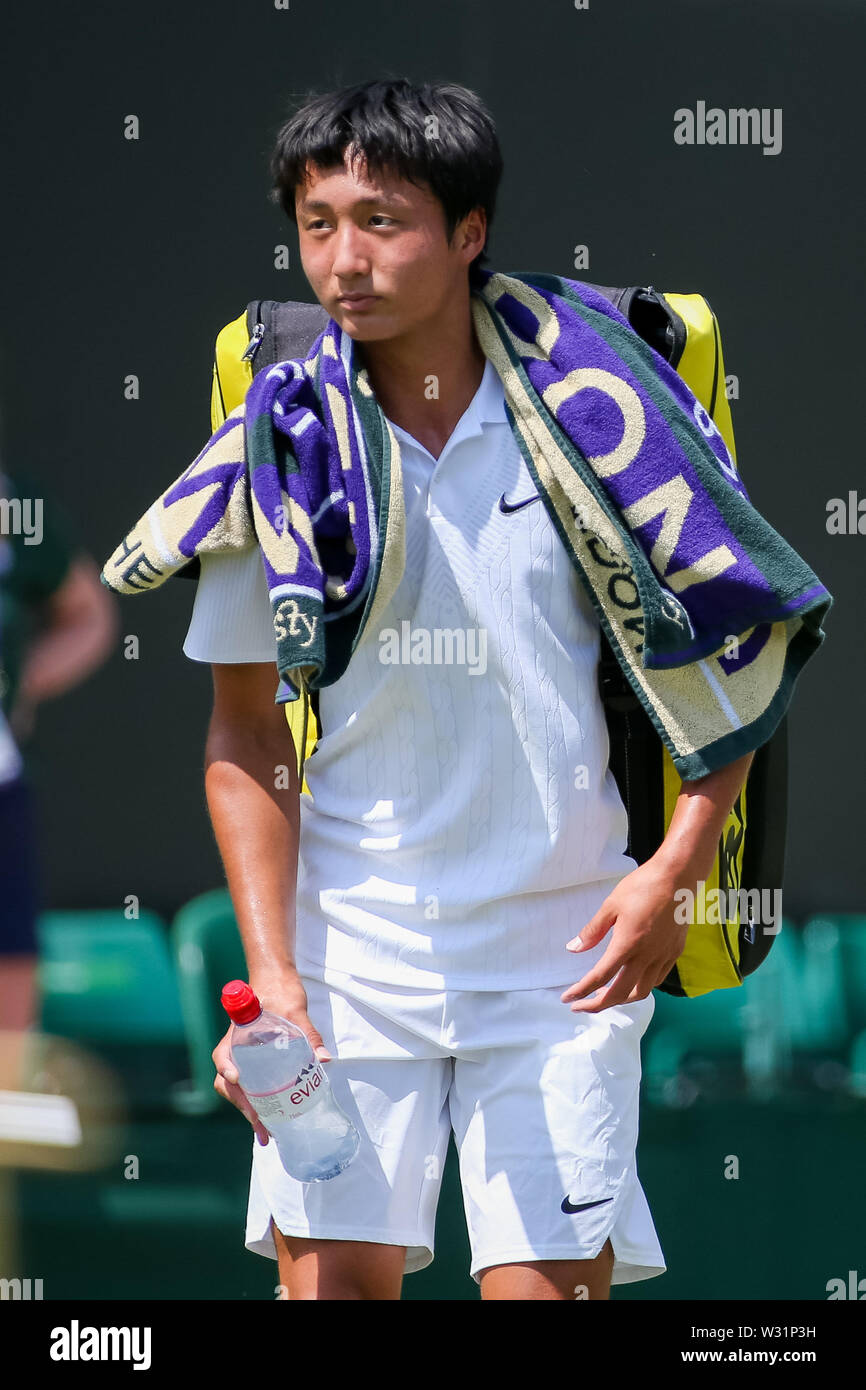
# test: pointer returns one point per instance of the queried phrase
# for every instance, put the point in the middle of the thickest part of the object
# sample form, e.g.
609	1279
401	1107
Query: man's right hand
288	999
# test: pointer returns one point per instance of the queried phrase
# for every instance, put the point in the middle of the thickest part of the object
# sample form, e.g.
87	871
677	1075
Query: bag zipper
675	331
255	341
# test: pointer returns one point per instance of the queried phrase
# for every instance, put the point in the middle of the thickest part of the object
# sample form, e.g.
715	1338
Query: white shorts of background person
543	1104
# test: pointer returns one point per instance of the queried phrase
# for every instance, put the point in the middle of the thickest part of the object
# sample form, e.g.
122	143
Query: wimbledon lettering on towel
670	500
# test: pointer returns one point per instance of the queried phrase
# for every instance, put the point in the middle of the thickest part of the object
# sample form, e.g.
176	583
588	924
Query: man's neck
424	382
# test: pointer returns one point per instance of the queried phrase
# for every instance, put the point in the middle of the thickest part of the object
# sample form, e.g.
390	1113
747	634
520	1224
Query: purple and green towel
634	474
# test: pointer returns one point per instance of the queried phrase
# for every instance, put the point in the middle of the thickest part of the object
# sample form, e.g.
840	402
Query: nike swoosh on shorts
582	1206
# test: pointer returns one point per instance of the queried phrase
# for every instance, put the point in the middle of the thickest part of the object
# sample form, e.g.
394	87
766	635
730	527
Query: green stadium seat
839	941
742	1029
208	951
825	1025
107	979
772	1011
707	1026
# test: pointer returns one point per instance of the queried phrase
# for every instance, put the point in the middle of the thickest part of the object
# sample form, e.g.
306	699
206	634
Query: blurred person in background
57	625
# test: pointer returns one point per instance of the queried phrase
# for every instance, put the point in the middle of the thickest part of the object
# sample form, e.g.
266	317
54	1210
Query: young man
418	915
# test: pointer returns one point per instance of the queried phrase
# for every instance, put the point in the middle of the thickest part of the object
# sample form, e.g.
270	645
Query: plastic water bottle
288	1089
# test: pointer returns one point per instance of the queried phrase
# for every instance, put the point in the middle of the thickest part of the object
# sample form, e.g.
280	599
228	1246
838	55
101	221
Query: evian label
291	1101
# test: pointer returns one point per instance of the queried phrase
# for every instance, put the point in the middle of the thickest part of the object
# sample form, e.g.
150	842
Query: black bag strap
280	330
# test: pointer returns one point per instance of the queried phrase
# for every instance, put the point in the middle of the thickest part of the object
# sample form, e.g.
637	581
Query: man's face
364	234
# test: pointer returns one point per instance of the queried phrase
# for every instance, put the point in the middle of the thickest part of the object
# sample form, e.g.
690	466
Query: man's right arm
251	786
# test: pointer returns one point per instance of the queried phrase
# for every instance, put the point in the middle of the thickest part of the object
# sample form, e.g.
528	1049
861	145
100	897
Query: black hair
387	124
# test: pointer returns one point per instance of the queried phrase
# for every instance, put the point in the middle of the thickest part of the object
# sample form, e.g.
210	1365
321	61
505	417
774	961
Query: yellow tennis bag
737	913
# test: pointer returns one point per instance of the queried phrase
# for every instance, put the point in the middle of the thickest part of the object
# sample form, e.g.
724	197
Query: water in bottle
288	1089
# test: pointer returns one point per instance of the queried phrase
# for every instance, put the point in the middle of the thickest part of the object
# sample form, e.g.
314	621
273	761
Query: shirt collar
489	400
487	407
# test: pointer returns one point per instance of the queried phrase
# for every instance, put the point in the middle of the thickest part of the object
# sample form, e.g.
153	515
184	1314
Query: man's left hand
645	942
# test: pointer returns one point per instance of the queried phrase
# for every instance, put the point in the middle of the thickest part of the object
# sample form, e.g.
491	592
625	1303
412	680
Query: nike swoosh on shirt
582	1206
515	506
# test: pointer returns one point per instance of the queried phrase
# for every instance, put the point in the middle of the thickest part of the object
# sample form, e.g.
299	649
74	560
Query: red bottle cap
240	1002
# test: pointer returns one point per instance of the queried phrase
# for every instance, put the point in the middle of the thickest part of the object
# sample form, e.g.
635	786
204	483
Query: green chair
772	1013
208	952
825	1025
839	945
742	1031
706	1029
106	979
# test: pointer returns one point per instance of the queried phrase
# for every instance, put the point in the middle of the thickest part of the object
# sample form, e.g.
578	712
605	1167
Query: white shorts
543	1103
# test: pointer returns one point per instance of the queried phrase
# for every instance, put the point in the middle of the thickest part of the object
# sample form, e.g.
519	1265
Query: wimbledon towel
711	614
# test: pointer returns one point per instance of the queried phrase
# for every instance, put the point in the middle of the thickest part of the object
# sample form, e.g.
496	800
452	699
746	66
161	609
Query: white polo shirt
462	824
